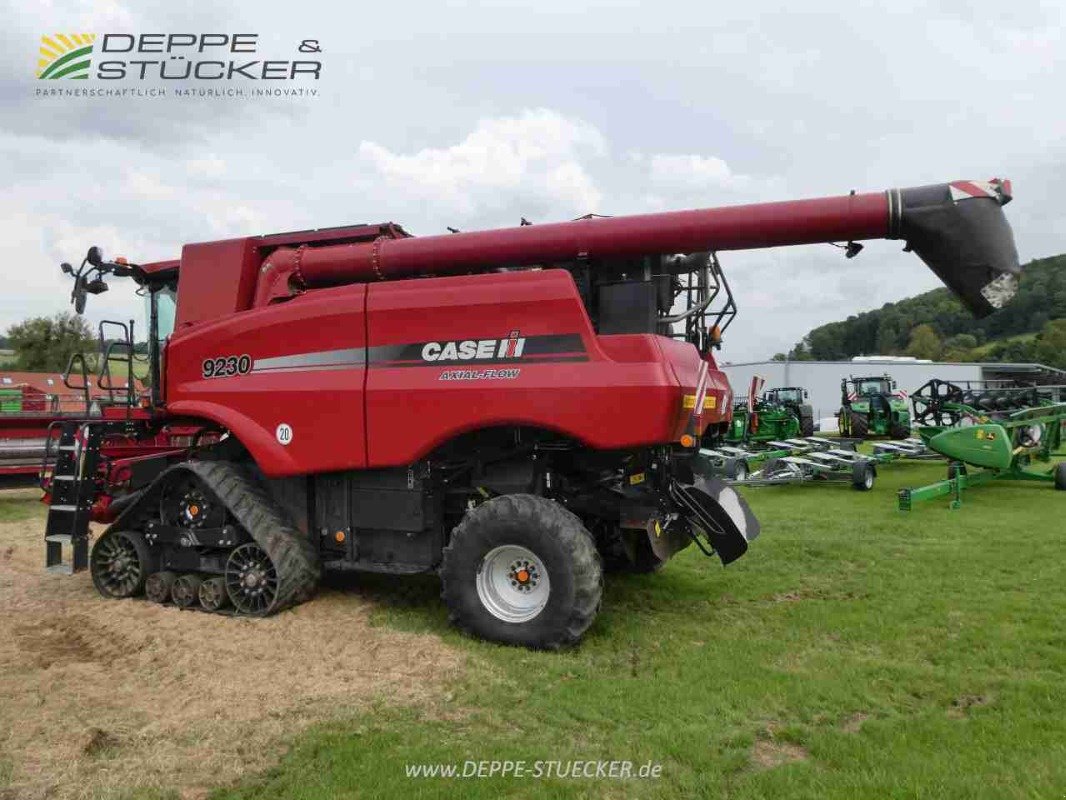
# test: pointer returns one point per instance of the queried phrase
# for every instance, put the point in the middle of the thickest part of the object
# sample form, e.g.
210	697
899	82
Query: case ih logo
474	349
65	55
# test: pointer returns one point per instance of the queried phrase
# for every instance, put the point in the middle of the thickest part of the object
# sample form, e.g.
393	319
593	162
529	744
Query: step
61	569
63	508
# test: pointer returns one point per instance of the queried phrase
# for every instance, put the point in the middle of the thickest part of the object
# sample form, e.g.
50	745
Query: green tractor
794	398
763	421
871	407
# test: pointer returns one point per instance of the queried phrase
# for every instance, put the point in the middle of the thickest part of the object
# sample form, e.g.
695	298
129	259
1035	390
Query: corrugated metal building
822	378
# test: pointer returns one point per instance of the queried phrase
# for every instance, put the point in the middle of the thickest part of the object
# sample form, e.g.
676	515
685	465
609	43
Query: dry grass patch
99	697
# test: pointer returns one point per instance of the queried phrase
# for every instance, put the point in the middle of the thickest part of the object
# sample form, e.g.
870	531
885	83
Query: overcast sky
473	115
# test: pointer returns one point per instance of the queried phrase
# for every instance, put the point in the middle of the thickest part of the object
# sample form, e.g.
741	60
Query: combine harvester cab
513	409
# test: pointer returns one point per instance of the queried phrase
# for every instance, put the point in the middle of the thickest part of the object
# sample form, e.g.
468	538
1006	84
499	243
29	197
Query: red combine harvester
30	403
514	409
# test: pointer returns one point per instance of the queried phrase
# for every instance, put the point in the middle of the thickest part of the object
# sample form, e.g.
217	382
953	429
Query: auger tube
958	229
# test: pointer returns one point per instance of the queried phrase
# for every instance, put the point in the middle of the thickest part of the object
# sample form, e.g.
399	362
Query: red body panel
603	402
323	406
227	272
387	406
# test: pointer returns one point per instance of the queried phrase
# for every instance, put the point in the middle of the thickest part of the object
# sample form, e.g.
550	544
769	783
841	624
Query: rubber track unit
292	554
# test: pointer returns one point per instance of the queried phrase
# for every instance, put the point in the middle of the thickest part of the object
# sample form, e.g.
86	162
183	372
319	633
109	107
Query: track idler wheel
252	580
119	564
212	594
159	585
186	590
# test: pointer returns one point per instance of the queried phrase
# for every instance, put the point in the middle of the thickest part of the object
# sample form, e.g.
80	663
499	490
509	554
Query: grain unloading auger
512	409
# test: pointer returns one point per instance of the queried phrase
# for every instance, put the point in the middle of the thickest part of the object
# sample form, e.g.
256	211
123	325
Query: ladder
77	455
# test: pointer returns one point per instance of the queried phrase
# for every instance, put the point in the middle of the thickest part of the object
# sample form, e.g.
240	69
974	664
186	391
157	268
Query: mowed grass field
854	652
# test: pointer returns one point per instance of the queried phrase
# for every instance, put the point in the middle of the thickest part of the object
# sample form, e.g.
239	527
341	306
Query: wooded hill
934	325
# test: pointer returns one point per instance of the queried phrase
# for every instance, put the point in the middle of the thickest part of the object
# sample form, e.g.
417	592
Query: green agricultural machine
946	404
794	398
871	407
763	422
988	434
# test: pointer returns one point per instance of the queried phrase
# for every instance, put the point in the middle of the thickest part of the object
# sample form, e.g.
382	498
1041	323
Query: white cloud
683	180
697	106
147	186
534	161
210	166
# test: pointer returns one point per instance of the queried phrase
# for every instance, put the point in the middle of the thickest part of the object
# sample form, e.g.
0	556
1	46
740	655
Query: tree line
934	325
45	344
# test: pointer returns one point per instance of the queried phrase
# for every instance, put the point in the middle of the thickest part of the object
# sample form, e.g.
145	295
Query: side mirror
95	256
67	269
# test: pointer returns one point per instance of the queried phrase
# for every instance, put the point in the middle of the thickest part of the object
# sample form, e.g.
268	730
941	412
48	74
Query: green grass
19	504
892	655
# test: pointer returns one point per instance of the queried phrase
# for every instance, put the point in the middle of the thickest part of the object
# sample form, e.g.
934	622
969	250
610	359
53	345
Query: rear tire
736	469
522	570
843	420
1060	476
862	477
859	425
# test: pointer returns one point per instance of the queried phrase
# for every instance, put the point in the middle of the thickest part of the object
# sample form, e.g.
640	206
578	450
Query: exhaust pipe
959	230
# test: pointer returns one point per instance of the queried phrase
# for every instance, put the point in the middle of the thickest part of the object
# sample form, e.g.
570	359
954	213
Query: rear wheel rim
117	566
512	583
251	579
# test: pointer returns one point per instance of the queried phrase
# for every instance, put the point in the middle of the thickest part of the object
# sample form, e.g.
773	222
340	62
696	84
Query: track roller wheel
252	580
120	564
212	594
522	570
158	586
186	590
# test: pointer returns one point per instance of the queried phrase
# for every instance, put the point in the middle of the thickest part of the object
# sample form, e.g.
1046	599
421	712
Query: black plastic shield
966	240
716	509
